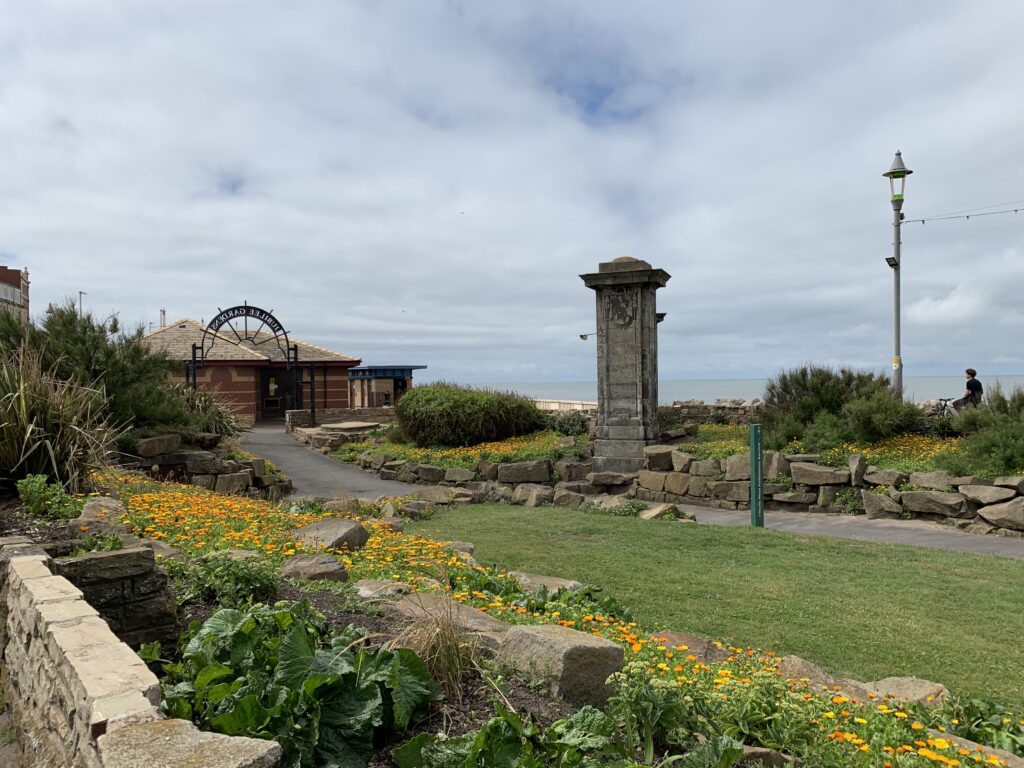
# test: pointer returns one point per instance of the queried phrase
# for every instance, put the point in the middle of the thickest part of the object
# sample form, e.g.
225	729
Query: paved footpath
313	474
919	533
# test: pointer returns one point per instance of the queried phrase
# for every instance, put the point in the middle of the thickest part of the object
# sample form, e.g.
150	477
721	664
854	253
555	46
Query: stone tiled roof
177	338
310	352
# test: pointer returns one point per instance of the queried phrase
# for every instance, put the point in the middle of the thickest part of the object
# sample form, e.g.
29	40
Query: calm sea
917	388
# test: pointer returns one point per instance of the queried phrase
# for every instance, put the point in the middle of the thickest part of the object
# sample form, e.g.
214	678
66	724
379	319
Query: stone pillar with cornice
627	361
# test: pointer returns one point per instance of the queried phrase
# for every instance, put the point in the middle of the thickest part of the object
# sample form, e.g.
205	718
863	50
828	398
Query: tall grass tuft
48	426
446	414
207	413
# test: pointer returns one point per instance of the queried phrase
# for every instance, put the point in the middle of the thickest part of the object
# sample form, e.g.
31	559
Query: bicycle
945	408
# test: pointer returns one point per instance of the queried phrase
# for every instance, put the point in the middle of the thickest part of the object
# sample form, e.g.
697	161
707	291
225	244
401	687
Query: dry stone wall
797	482
80	697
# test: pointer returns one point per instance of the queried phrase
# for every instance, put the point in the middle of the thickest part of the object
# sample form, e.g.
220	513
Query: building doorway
278	393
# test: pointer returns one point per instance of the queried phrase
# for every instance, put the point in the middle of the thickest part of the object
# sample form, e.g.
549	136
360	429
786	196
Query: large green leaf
348	716
247	717
295	656
410	685
223	624
208	675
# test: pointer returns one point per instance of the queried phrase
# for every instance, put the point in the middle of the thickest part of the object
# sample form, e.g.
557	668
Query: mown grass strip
860	609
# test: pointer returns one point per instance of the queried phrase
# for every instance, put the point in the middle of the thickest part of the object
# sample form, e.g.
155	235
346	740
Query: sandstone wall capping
72	685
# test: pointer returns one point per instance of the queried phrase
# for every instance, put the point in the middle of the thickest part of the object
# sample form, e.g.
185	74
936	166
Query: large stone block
566	498
651	480
148	447
697	486
605	479
706	468
534	582
935	503
333	533
537	471
429	473
937	481
533	495
891	477
795	497
815	474
775	464
878	506
681	461
459	475
234	482
658	457
180	743
858	467
577	662
986	494
1016	483
1008	514
573	471
106	566
100	665
677	483
314	567
737	467
729	491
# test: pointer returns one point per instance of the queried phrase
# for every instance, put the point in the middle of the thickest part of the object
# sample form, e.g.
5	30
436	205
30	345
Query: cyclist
973	392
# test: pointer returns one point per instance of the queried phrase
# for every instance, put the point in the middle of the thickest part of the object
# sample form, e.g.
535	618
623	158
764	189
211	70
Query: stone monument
627	361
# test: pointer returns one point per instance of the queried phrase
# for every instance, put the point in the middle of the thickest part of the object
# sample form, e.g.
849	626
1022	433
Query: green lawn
859	609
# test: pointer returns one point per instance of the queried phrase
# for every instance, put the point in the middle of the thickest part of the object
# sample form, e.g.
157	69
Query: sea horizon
916	388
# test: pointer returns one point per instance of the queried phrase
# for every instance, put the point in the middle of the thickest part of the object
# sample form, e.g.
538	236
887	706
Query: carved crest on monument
622	307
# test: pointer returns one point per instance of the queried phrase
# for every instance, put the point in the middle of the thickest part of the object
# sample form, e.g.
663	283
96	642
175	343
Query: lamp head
897	175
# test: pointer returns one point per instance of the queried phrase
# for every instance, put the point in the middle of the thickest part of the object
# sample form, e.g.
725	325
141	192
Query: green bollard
756	477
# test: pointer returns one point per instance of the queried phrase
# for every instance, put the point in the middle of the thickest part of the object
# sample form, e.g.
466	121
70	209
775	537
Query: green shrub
48	426
996	448
42	499
794	400
826	430
572	423
880	414
449	415
219	579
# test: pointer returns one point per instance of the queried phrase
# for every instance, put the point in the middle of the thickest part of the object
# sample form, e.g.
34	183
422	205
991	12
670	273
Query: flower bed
743	695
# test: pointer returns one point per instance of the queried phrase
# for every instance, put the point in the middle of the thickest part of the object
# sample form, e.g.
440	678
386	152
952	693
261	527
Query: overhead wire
964	216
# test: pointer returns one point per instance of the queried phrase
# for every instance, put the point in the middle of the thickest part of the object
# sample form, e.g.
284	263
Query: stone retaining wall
793	482
128	590
798	483
722	411
81	698
210	469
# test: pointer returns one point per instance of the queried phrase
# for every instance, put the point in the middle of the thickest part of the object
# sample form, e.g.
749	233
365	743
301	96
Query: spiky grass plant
48	426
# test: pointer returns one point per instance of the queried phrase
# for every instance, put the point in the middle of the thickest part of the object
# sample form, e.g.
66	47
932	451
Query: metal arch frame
266	320
224	317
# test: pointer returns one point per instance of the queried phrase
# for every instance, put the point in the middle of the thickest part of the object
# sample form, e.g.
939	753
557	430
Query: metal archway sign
245	312
245	335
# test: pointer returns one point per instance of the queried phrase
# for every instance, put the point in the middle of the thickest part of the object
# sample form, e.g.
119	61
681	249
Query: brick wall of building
235	385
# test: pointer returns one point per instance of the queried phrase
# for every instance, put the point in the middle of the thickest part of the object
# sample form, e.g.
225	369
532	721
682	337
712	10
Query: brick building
253	375
14	291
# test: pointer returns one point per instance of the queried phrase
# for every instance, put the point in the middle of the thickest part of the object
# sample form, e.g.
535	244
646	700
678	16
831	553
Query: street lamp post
897	176
80	295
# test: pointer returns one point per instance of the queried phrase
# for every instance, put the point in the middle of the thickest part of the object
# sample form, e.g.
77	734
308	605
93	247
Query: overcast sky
422	182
